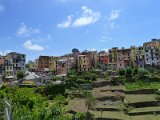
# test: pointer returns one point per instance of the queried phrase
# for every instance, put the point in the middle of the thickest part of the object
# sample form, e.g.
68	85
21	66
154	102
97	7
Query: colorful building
83	63
53	63
64	64
9	69
14	62
123	58
113	55
103	57
140	61
93	58
152	52
43	63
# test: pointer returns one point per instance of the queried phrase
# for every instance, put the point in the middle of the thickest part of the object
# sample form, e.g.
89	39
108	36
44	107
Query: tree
75	50
135	71
121	72
20	75
128	71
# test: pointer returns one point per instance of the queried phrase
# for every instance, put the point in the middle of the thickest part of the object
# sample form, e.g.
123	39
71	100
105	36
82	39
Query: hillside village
118	84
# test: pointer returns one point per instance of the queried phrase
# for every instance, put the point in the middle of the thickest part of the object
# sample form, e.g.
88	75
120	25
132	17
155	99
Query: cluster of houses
113	59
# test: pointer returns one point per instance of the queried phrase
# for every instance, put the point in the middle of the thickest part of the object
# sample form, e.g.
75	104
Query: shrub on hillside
121	72
135	71
121	79
142	73
20	75
51	90
128	71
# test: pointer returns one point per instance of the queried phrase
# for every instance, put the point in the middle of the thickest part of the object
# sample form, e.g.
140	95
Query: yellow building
83	63
137	56
113	55
134	51
53	63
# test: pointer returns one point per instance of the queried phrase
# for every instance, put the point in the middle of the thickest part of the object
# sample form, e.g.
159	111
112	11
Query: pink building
123	58
103	57
64	64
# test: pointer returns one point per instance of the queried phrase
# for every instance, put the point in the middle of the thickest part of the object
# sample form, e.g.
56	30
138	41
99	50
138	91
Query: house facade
43	63
123	58
53	63
83	63
113	55
103	57
152	52
13	63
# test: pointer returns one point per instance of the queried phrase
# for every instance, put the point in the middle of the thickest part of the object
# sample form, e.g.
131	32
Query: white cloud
88	17
105	38
114	14
2	8
4	52
25	31
30	46
65	24
42	39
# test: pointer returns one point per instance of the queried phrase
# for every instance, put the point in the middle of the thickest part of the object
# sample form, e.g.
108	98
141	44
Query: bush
121	72
142	73
94	77
80	81
128	71
20	75
51	90
135	71
57	78
72	77
121	79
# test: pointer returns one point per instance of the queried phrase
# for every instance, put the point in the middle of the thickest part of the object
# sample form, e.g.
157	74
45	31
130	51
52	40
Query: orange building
43	63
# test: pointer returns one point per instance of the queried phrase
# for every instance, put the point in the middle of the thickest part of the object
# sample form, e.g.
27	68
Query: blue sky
54	27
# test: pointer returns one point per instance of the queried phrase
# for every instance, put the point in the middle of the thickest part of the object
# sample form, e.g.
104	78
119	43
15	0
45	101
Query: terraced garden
116	102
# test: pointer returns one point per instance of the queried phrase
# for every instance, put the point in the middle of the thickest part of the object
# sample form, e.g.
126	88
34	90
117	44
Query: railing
1	109
7	110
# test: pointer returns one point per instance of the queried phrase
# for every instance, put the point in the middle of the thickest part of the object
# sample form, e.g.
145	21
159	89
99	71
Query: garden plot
145	111
110	115
99	94
146	117
110	88
109	105
77	105
134	98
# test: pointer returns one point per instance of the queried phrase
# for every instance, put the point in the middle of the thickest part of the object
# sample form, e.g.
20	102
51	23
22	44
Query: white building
14	62
151	52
